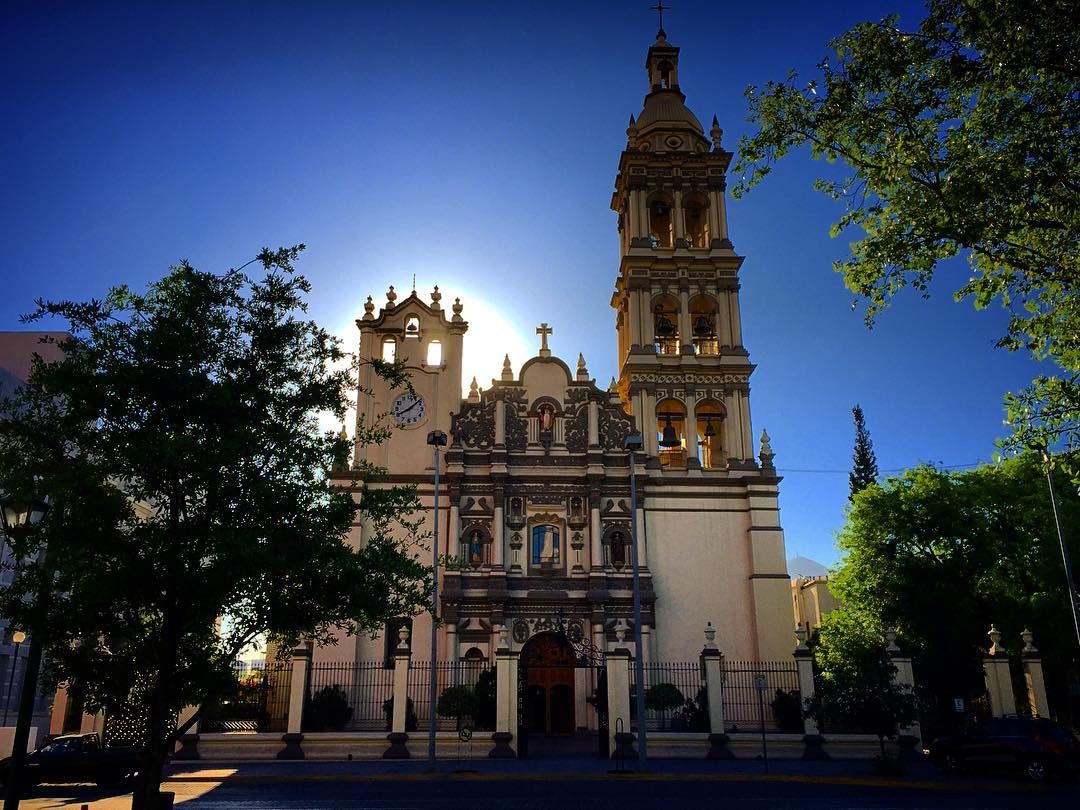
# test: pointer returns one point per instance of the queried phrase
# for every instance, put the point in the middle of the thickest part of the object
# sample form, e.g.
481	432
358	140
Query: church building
534	500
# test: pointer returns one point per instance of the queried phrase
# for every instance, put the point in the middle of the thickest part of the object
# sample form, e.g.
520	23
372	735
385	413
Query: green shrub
328	710
411	722
788	711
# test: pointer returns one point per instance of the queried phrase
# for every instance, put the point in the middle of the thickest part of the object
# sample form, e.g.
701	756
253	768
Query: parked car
1036	747
76	758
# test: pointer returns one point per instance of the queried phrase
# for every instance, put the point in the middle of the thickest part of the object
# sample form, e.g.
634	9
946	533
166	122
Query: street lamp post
633	443
18	637
436	439
19	516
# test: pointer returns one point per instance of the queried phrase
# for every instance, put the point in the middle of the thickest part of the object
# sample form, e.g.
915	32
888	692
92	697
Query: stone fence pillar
506	702
618	697
398	718
188	744
1033	677
998	680
301	668
712	663
804	660
903	676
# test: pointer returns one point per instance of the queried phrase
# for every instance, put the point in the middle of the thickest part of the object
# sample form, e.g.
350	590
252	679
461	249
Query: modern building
534	498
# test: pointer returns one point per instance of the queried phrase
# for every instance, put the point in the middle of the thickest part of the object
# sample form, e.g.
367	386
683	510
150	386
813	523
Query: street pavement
566	784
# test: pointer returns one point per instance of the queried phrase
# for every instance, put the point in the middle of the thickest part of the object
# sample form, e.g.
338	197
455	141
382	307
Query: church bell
702	327
670	436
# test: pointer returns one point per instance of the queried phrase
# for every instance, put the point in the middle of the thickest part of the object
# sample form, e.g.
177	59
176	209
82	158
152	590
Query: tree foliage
958	138
864	468
193	509
941	556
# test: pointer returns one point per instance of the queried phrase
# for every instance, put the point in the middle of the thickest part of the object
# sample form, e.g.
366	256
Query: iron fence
676	698
349	696
448	674
259	701
744	702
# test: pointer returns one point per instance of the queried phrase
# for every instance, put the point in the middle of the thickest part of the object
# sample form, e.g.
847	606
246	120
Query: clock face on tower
408	409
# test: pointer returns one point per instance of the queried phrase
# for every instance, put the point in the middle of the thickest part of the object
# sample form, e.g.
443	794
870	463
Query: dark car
76	758
1036	747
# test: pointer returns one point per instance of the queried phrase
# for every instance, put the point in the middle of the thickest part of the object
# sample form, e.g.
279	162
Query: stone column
685	345
498	529
998	680
500	423
1033	677
596	548
804	660
693	452
453	532
721	213
736	319
398	737
620	739
903	676
714	219
643	547
298	686
712	661
506	705
189	741
677	215
594	423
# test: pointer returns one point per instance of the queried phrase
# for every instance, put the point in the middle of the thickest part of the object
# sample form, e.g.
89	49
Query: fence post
618	696
189	741
998	678
712	662
813	742
398	736
903	675
506	703
301	667
1033	676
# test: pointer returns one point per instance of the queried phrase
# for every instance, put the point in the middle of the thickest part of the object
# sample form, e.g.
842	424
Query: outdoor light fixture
435	439
633	444
19	513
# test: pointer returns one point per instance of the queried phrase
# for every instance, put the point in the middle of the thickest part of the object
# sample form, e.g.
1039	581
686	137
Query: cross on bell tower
543	330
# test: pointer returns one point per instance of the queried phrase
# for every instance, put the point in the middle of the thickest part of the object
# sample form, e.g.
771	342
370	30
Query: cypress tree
864	469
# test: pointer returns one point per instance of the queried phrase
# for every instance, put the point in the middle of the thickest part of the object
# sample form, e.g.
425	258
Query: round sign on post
759	683
465	734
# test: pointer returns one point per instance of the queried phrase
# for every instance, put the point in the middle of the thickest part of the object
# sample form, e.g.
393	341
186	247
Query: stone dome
666	106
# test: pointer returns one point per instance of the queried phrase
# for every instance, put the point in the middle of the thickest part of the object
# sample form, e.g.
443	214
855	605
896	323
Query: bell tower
683	370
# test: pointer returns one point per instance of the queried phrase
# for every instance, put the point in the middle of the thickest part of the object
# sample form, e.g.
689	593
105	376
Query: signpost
761	685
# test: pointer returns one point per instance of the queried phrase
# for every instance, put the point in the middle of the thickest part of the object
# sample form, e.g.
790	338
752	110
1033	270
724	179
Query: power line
890	470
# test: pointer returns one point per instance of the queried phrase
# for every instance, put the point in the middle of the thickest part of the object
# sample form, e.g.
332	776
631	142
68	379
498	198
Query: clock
408	409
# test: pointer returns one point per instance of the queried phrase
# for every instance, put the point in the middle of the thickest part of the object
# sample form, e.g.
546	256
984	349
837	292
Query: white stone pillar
596	548
498	532
997	676
1033	677
804	661
643	546
506	705
500	423
686	345
712	662
298	687
903	676
398	737
693	451
721	213
594	423
633	217
714	219
736	319
677	215
618	699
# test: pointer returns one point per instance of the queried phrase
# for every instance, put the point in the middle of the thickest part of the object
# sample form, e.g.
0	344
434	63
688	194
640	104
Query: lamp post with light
17	638
436	439
20	516
633	443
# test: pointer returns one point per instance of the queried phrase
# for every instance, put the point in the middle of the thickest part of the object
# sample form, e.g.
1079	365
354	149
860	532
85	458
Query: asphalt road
209	790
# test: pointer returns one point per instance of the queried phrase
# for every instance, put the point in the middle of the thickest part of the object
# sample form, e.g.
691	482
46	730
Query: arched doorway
548	663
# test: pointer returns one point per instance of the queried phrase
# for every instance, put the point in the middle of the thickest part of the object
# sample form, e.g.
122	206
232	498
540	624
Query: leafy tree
178	441
941	555
958	138
864	469
663	698
457	702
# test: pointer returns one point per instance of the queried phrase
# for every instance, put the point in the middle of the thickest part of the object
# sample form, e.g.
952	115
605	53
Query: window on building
710	438
696	220
671	432
660	223
434	353
546	547
389	350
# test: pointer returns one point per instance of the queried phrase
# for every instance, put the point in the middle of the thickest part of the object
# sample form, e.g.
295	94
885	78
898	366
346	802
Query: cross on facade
543	330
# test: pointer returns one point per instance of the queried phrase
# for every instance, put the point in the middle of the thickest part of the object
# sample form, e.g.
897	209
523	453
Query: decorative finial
800	638
890	640
504	637
1028	637
582	371
631	129
457	307
766	455
995	638
716	134
369	309
620	631
403	635
543	330
391	296
436	297
613	387
507	369
710	636
474	391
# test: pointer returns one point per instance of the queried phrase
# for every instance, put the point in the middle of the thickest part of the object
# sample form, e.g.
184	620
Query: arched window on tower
666	324
389	350
434	353
671	432
660	222
696	220
664	69
703	325
710	434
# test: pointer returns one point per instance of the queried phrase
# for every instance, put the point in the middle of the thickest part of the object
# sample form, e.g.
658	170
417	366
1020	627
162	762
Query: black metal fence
675	696
349	696
259	702
458	707
745	702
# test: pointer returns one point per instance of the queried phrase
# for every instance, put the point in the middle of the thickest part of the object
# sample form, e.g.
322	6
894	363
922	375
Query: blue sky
474	145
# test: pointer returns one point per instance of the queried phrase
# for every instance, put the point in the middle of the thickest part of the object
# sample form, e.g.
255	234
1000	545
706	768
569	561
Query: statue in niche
546	414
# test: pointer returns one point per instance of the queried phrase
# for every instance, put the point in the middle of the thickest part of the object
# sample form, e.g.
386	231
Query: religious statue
547	418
